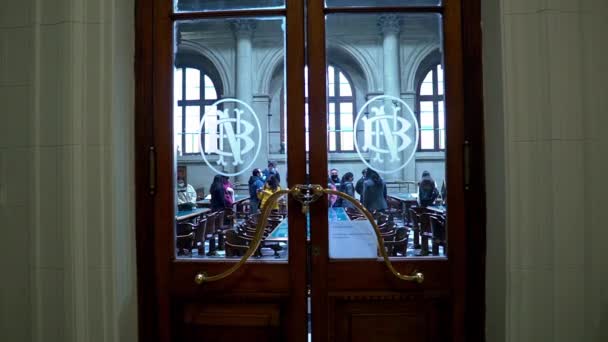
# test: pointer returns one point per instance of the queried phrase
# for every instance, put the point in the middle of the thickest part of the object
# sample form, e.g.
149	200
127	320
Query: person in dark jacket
217	192
347	187
427	190
256	183
374	192
359	186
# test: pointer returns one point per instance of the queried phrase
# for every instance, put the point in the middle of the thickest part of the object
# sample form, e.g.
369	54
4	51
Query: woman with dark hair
271	186
347	187
374	192
218	194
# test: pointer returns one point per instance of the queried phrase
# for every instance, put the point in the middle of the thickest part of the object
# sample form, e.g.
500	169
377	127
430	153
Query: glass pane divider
385	9
228	14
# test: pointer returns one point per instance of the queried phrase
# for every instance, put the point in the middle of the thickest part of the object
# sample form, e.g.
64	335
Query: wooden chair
425	232
210	233
243	209
394	208
199	236
184	238
234	244
398	245
415	223
439	236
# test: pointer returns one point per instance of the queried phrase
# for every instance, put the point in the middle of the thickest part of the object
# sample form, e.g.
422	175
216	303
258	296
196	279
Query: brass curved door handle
416	275
202	277
305	194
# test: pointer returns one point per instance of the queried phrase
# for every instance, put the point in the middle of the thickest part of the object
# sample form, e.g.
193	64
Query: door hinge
467	165
152	170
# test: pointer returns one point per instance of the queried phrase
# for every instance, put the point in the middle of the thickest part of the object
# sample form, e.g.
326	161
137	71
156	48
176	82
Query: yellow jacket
265	194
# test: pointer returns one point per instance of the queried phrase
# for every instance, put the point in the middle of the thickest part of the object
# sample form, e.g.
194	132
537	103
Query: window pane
210	130
389	133
441	125
237	136
332	108
427	140
306	81
440	84
346	122
426	121
332	122
426	106
193	117
215	5
177	84
177	130
346	141
193	84
441	118
400	3
332	141
210	93
427	85
346	108
331	83
306	126
345	89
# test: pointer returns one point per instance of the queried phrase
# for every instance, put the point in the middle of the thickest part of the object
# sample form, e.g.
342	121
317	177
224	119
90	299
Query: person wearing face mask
335	177
185	192
271	170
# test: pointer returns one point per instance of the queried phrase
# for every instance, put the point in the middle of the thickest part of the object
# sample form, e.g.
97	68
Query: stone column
390	26
243	32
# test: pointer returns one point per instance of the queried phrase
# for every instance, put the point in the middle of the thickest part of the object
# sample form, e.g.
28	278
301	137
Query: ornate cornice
243	28
390	23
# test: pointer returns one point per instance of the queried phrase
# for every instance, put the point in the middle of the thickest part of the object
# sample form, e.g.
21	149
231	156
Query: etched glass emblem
236	127
390	134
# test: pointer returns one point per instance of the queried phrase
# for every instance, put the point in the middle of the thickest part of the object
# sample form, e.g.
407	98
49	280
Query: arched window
194	93
341	116
430	109
341	104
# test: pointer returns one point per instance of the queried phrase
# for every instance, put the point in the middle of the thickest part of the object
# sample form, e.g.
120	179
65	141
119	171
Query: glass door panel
228	86
386	135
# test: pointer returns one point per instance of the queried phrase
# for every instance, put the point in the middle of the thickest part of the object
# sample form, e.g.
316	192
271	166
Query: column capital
243	27
390	23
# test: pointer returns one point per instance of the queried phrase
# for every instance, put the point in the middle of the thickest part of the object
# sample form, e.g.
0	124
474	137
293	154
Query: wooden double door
308	90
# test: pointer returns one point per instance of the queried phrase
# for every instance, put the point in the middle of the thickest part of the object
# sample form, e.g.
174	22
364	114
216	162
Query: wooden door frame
150	328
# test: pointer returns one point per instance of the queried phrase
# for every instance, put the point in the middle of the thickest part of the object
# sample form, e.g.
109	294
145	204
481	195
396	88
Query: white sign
385	134
352	240
234	136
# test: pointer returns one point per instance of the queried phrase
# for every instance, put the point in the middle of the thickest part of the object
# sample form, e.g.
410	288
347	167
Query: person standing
271	170
427	190
374	192
347	187
335	177
271	186
359	185
256	184
217	192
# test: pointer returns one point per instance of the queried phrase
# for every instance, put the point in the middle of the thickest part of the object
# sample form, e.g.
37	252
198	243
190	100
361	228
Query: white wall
545	82
66	175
